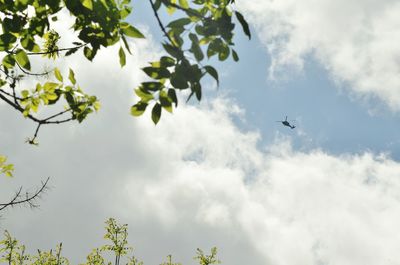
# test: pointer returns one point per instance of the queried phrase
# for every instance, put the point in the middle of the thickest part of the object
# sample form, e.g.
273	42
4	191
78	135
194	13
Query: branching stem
29	198
160	23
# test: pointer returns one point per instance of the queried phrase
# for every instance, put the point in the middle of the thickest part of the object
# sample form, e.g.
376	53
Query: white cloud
356	41
292	207
196	180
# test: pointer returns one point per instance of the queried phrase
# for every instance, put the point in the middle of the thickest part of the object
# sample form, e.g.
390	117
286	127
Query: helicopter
286	123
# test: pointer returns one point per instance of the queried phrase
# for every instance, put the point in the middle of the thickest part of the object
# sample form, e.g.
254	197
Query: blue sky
223	172
328	113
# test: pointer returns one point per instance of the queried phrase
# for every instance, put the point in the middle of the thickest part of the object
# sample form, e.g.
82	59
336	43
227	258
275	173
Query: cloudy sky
223	172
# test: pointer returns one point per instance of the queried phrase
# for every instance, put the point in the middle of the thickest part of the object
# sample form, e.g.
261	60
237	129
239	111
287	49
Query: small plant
13	253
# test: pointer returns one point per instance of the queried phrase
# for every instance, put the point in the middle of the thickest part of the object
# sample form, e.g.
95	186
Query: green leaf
157	4
173	51
89	53
50	86
6	41
197	90
179	81
139	108
96	105
167	61
165	101
9	61
122	57
143	94
195	48
172	96
125	12
214	47
71	51
179	23
156	73
29	44
184	4
223	52
171	9
71	76
22	59
126	44
156	113
235	55
211	71
58	75
52	96
152	86
88	4
190	96
244	24
131	31
25	93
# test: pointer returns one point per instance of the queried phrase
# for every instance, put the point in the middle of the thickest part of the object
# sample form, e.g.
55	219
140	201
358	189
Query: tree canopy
196	31
199	28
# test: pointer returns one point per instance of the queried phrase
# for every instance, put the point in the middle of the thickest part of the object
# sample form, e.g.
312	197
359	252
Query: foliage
207	259
169	261
6	169
206	27
27	31
199	29
202	27
12	252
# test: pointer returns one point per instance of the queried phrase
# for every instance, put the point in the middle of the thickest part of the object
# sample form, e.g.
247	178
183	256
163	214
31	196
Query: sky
223	172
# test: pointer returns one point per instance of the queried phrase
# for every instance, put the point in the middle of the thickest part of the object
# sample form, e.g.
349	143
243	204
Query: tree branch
30	73
38	121
57	50
160	23
13	95
53	51
29	198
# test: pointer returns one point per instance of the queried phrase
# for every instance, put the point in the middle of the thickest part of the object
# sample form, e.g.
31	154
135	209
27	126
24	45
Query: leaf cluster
26	31
204	29
6	169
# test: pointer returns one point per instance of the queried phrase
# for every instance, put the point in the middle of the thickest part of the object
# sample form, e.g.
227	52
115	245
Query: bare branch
13	96
30	73
28	198
57	50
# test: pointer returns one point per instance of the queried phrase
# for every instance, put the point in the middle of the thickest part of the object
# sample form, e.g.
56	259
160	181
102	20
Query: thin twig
57	50
56	115
15	97
30	73
160	23
53	51
28	199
